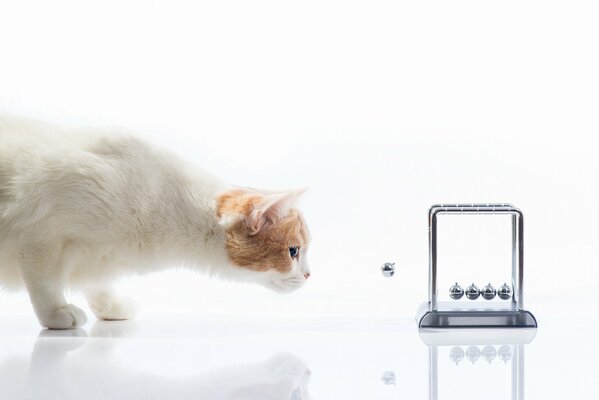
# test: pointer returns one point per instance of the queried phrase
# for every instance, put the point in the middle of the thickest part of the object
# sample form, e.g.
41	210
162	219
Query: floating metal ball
389	378
472	292
505	353
489	353
388	269
456	354
489	292
473	353
504	292
456	292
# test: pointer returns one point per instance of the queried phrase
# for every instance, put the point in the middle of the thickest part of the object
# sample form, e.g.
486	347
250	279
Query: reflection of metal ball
388	378
472	292
505	353
388	269
504	292
296	394
456	292
489	353
489	292
473	353
456	354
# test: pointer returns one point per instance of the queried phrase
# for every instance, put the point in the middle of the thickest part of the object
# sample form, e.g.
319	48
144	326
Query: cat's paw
66	317
116	309
114	329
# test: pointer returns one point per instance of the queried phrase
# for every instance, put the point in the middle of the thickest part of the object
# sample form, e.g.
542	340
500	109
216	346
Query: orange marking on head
268	247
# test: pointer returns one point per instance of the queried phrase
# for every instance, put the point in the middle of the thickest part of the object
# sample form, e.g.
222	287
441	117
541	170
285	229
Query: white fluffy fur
79	208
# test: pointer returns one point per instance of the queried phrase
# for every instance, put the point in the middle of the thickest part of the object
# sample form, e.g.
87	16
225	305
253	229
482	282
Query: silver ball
504	292
456	292
489	292
473	353
472	292
505	353
388	269
389	378
489	353
456	354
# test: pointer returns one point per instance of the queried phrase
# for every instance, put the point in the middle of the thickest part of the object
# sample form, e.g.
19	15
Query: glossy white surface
193	357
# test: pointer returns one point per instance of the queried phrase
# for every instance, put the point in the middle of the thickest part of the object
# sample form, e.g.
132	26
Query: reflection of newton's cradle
475	345
473	353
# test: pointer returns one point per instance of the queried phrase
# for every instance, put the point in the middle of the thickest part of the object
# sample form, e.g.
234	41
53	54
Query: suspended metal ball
388	269
504	292
489	292
456	292
489	353
473	353
472	292
456	354
505	353
389	378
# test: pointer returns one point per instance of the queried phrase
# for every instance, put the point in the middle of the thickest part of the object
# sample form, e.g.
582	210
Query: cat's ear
271	208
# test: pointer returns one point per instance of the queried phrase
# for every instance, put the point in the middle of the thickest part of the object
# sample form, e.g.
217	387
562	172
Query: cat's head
266	234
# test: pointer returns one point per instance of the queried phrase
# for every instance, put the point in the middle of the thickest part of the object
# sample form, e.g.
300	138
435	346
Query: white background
382	108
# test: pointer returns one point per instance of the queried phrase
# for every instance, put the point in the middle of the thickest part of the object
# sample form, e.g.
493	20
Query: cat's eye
294	251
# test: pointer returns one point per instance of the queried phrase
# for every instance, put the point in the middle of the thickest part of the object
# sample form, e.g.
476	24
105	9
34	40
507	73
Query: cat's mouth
286	285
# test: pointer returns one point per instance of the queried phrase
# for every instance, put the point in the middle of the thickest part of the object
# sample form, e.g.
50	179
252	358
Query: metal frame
517	243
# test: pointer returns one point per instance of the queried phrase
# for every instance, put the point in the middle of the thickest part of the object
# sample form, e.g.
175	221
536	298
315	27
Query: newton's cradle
480	324
484	306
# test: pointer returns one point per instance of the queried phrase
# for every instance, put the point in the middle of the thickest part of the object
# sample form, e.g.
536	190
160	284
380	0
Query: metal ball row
488	292
473	353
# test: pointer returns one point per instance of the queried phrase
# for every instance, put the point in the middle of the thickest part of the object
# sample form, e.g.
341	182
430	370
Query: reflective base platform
448	315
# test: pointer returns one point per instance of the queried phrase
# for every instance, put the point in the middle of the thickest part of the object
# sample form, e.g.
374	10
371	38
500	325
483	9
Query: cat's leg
44	275
107	305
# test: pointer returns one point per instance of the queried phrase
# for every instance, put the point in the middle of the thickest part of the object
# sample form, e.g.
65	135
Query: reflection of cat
77	368
79	208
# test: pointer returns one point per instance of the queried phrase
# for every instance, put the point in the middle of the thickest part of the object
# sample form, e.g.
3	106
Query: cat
80	207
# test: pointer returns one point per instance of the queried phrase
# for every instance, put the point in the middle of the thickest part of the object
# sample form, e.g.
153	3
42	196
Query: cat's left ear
271	208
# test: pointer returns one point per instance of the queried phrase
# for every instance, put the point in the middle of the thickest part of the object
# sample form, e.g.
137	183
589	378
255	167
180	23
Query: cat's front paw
66	317
117	309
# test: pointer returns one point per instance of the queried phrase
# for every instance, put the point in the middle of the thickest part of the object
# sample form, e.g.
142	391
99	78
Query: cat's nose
307	275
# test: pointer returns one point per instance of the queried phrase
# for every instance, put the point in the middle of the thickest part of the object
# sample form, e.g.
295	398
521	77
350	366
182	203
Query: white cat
79	208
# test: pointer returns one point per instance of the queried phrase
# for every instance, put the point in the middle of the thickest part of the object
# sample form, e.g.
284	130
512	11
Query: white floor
194	357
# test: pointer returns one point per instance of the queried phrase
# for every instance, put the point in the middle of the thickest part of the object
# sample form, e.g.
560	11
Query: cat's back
42	163
22	137
22	144
26	143
31	149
